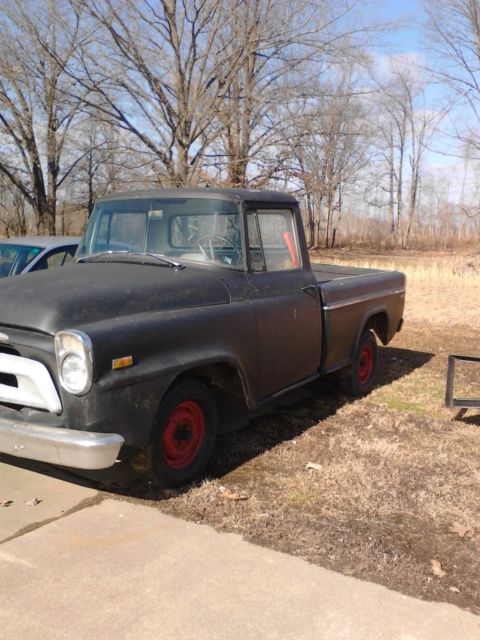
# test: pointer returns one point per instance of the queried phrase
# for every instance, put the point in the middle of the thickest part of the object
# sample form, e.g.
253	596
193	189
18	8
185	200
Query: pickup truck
184	308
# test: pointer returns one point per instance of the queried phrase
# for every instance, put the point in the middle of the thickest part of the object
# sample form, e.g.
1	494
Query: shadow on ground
290	418
285	420
473	416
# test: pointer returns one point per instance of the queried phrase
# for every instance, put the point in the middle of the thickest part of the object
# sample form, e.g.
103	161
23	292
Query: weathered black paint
251	334
80	294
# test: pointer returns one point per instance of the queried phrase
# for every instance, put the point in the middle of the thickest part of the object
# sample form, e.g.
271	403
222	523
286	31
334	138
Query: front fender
163	346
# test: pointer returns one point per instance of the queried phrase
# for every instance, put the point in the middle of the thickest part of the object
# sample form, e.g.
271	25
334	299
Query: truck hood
78	294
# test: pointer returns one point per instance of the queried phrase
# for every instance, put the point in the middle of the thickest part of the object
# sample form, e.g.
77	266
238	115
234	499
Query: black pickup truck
184	307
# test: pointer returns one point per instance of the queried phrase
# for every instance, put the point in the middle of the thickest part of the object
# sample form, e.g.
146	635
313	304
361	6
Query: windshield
183	229
15	257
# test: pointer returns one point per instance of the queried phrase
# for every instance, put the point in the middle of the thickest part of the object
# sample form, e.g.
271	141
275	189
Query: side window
53	259
255	248
56	258
70	254
23	258
272	240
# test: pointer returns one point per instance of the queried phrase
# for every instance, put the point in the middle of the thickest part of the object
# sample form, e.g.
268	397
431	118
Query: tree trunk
391	197
329	219
310	222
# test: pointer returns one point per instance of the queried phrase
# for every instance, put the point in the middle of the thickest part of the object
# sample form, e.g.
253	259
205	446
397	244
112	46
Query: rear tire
183	437
361	377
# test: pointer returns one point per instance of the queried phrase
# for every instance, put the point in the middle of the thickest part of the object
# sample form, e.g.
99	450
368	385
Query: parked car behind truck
183	303
35	253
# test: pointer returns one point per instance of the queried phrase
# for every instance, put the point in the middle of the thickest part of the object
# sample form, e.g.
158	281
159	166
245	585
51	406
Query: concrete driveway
76	563
32	497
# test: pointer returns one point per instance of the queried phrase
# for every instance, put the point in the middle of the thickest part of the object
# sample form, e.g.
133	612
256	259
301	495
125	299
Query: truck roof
238	195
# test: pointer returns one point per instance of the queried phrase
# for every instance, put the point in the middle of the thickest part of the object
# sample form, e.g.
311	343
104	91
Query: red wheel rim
365	364
183	435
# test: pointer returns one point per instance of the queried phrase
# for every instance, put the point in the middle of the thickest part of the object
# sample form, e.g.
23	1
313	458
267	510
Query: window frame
90	238
50	253
272	207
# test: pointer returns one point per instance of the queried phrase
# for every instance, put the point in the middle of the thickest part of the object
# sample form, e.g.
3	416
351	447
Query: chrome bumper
57	445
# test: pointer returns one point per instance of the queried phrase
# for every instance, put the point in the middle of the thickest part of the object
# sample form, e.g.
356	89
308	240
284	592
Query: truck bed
349	295
342	286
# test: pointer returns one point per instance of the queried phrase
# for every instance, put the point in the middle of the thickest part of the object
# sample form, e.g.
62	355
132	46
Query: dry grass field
385	488
442	288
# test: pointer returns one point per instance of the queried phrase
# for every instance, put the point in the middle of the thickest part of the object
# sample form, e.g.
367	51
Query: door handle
310	290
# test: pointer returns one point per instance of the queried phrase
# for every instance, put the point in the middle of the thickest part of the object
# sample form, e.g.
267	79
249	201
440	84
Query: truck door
285	299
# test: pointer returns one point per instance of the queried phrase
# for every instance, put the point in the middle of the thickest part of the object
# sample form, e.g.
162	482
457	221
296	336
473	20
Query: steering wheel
208	240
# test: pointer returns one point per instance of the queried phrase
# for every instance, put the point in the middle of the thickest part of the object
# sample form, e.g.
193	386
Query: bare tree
37	41
102	162
158	70
454	30
404	129
329	144
286	48
272	40
13	215
204	83
109	163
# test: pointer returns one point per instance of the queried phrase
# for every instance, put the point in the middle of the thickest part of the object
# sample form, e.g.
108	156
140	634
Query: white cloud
412	63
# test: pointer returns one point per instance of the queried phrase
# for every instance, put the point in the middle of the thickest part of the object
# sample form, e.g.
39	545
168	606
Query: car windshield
15	257
200	230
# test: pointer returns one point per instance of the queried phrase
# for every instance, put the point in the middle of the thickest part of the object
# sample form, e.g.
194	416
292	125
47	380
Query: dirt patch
384	488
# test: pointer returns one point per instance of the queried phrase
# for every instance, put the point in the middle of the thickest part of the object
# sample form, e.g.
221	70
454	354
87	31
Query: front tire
183	437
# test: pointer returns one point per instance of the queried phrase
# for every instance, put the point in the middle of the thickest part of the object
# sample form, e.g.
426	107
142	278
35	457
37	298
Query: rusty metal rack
450	401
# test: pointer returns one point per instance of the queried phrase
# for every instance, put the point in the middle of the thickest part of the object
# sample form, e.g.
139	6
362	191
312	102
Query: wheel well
379	324
220	376
226	384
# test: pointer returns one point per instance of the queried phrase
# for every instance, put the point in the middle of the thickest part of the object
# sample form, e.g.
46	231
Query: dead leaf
454	589
33	502
437	569
461	530
6	503
233	495
313	466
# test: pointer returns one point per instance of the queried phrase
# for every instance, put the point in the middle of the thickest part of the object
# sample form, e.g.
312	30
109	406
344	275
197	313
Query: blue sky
408	38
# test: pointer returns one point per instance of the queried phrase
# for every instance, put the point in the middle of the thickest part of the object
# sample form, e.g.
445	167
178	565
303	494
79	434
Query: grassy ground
385	488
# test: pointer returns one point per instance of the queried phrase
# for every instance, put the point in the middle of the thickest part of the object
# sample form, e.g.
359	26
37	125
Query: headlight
75	361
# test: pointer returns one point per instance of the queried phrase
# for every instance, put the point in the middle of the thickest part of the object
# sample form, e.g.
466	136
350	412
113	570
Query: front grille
9	350
7	378
25	382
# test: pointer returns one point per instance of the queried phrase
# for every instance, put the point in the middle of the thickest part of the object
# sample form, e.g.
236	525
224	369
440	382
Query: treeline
101	95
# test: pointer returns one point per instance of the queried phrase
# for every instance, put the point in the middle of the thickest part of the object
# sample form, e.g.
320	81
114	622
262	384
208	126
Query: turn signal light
122	363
